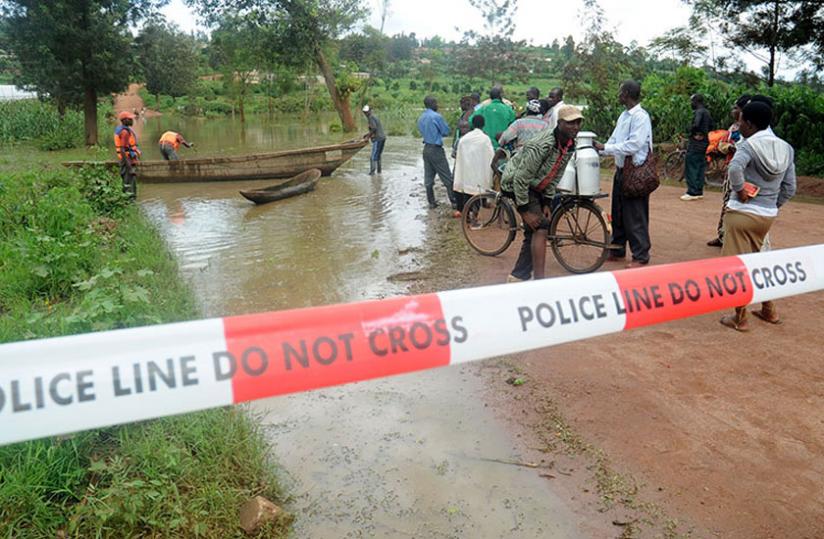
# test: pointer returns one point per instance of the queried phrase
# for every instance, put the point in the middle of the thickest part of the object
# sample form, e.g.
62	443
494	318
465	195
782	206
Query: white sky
538	21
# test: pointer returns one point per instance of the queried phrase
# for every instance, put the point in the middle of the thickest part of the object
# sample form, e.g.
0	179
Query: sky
538	21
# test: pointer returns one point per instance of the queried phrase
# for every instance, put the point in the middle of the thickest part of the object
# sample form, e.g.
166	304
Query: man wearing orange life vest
128	152
169	144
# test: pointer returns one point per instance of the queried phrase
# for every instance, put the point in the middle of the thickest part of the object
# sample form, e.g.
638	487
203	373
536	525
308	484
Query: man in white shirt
473	175
631	139
556	101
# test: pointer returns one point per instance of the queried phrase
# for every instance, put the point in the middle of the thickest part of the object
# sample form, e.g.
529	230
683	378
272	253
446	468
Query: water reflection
338	243
228	136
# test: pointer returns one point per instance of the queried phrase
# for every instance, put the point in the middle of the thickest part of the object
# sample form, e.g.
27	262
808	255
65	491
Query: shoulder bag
641	180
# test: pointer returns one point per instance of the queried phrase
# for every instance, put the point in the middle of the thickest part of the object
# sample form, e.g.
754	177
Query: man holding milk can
530	179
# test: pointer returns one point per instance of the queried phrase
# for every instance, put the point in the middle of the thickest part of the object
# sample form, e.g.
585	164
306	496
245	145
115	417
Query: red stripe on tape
658	294
285	352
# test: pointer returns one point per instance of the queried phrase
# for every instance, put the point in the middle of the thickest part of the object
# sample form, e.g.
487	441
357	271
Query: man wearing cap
530	178
169	144
378	138
128	152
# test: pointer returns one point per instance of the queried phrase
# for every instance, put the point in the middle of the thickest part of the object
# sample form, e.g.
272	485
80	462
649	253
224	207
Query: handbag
640	180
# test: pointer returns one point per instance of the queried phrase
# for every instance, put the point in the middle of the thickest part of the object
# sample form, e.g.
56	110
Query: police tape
68	384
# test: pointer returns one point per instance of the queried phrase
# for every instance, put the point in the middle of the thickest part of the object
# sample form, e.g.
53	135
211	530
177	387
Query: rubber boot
372	166
379	166
430	197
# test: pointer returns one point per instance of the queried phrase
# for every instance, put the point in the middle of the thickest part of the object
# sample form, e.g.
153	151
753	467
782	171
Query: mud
413	456
711	433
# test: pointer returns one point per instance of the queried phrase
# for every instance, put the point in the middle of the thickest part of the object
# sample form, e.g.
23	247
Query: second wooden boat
302	183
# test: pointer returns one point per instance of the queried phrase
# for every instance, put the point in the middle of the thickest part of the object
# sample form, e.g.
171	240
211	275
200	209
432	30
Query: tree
777	26
168	59
74	50
384	7
485	54
236	46
297	30
682	44
595	70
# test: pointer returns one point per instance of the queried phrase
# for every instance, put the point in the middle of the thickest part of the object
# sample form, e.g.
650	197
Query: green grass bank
78	256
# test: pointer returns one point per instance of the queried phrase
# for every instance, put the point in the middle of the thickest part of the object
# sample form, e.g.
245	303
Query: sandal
732	322
775	321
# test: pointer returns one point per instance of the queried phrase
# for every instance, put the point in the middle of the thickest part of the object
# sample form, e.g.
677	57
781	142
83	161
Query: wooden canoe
262	166
302	183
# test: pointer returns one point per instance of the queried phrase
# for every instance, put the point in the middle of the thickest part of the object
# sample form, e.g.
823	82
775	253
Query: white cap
366	108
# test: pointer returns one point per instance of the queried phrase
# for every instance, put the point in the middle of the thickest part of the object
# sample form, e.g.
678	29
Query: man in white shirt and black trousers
631	139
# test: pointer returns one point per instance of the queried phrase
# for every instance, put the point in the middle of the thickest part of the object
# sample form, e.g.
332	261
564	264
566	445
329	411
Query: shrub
63	138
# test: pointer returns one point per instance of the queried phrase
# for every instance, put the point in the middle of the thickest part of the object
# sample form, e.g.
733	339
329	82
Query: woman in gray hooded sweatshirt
767	162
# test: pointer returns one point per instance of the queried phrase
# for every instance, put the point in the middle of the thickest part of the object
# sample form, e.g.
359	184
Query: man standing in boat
378	138
169	144
128	152
433	128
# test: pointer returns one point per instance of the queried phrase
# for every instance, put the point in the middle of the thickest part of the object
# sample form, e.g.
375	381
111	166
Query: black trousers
434	162
523	265
630	222
461	199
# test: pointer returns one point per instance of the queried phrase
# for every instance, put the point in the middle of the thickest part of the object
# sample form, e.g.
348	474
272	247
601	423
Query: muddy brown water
409	456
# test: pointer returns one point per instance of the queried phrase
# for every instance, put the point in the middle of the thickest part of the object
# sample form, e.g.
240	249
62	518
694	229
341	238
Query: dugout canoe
261	166
302	183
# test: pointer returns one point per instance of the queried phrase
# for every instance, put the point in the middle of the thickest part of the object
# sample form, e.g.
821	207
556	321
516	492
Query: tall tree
167	58
298	30
767	28
682	43
237	48
384	7
596	68
74	50
482	53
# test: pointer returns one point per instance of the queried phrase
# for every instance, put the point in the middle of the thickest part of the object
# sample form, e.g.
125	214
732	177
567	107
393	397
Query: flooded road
410	456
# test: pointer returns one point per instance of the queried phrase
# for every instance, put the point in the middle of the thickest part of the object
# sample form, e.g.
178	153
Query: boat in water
261	166
302	183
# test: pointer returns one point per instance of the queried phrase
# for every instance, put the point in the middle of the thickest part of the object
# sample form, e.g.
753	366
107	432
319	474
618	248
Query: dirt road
131	101
723	432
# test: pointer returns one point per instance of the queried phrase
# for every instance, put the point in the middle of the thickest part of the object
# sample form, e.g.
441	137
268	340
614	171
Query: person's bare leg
538	253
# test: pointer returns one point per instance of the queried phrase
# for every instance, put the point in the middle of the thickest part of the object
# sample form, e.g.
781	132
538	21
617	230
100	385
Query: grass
75	256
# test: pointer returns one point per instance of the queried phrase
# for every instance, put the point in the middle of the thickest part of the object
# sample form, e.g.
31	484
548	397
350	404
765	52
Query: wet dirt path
413	456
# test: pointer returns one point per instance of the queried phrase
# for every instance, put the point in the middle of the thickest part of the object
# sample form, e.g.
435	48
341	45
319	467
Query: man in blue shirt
433	128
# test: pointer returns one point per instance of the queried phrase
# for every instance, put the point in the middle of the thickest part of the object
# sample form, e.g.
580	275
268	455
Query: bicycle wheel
674	165
716	169
489	223
579	236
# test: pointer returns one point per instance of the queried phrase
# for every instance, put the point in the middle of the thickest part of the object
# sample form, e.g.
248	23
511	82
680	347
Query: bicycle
578	230
675	160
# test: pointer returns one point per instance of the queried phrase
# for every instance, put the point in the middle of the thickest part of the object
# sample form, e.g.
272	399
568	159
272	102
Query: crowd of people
529	155
525	157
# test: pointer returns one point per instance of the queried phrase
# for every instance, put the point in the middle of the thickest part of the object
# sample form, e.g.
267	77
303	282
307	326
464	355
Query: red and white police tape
67	384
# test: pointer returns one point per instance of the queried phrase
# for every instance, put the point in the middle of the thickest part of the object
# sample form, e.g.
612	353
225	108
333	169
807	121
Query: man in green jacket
497	115
530	178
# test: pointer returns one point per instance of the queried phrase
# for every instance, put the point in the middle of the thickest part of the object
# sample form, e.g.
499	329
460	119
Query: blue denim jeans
377	149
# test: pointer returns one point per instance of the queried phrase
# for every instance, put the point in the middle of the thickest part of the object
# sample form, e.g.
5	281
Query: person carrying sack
631	147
